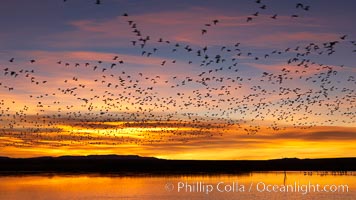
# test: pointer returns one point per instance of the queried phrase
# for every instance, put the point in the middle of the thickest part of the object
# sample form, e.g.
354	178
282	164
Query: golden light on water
101	187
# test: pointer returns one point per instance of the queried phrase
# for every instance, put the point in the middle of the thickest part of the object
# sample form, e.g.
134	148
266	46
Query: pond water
254	185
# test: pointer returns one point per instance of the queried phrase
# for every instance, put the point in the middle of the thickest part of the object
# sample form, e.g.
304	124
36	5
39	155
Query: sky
178	79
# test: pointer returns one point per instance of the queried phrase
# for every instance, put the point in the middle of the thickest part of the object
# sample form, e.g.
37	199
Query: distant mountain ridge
137	164
99	157
110	156
133	157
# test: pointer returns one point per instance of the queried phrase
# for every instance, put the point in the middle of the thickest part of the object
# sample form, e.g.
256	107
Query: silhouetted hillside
137	164
106	157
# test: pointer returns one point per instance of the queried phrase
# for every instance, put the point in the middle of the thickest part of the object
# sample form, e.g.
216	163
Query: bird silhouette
219	95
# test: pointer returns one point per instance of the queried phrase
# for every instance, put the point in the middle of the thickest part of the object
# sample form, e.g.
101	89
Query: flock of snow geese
118	106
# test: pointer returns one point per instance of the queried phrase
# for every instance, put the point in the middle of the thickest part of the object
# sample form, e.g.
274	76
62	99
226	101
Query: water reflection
129	186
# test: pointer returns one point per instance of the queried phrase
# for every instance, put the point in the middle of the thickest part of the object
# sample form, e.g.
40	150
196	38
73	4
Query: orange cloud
317	142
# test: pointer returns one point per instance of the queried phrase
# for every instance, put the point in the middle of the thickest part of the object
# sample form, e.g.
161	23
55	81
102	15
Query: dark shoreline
147	165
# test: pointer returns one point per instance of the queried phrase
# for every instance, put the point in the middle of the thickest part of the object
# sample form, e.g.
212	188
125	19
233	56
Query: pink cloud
286	37
185	26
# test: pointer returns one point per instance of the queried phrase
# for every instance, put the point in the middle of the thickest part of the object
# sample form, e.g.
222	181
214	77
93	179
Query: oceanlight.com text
235	186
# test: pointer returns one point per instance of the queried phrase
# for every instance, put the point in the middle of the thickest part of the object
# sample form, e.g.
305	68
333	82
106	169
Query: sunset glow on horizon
202	80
